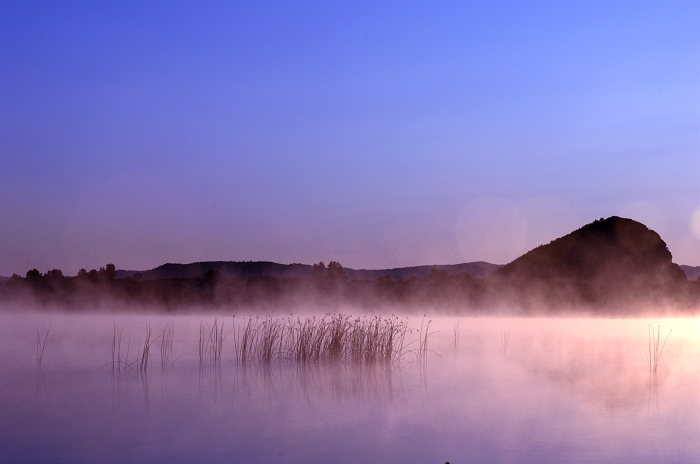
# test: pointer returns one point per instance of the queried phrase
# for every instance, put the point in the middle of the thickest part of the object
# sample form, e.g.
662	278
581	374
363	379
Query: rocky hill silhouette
612	252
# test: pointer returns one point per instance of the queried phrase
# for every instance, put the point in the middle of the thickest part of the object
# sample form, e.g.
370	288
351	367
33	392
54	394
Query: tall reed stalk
120	364
145	355
40	345
422	353
166	344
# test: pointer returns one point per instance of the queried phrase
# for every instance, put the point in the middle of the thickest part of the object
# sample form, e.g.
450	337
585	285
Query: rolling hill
246	269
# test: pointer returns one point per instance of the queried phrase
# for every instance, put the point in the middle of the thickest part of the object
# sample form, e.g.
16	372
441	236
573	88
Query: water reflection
653	401
595	371
211	379
272	382
613	372
316	381
41	386
40	348
549	391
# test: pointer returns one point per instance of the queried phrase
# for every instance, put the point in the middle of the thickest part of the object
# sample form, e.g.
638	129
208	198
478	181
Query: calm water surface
511	390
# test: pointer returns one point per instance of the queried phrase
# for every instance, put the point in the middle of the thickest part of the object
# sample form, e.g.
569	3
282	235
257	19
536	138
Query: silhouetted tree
15	281
437	275
211	277
336	273
54	280
319	270
385	283
108	273
33	276
54	274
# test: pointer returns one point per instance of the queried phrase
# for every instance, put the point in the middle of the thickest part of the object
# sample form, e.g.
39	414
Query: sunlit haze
377	134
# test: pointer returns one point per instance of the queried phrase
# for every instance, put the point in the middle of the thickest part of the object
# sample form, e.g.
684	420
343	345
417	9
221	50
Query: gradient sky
379	134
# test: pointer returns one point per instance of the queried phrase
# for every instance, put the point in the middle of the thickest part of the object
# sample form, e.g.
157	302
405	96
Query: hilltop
606	252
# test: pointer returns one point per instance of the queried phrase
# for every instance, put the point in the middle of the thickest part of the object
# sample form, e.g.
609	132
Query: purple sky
379	134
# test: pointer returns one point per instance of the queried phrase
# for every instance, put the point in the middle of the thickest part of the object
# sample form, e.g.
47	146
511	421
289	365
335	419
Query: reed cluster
655	347
421	353
329	338
211	342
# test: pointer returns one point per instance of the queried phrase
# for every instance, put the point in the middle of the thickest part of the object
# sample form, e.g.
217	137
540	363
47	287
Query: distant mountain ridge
245	269
692	272
477	269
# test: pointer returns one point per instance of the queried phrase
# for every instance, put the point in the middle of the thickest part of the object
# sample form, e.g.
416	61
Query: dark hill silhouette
246	269
607	252
242	269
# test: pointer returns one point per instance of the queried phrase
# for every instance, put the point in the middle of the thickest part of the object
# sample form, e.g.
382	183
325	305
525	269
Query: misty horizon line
474	268
692	272
127	273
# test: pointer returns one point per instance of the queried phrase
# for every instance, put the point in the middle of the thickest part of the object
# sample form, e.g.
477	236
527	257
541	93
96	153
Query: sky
377	134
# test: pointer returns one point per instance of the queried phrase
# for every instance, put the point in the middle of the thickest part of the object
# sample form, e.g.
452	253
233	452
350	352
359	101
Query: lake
484	389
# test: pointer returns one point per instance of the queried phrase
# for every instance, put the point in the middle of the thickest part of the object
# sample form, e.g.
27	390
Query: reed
505	337
455	335
120	363
315	339
422	351
116	349
655	347
40	345
144	357
211	342
166	344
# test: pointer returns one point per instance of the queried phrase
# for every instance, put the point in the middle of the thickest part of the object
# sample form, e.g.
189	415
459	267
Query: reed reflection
335	381
40	347
123	368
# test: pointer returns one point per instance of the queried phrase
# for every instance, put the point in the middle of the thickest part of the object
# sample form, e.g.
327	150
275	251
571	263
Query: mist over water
490	389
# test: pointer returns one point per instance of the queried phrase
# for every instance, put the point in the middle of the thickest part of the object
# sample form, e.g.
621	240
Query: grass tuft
655	347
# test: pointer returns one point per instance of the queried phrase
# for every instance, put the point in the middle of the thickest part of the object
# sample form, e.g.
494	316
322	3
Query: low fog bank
329	290
614	266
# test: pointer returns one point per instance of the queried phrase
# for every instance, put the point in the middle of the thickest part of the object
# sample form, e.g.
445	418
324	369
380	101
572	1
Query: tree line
329	286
